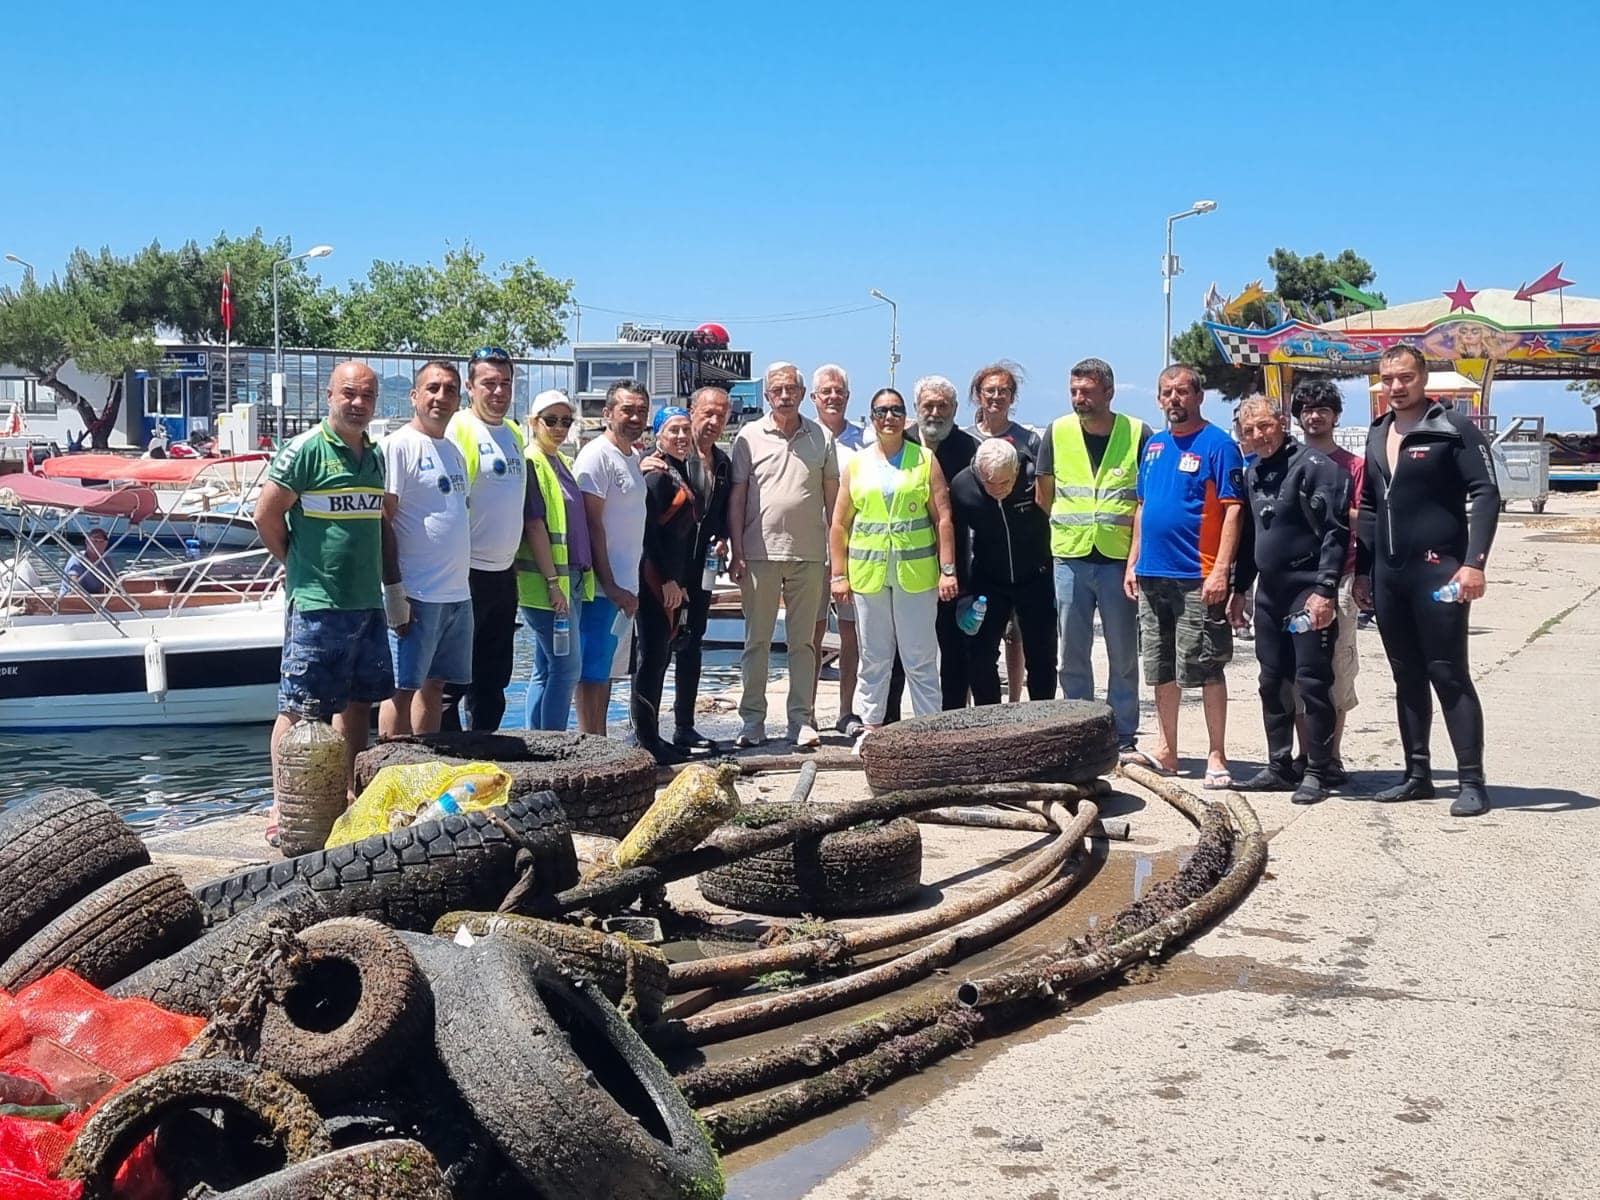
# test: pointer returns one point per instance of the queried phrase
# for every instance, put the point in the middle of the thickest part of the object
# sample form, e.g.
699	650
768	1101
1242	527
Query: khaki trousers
801	588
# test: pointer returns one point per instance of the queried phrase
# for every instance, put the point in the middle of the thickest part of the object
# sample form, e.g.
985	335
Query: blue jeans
1081	587
549	703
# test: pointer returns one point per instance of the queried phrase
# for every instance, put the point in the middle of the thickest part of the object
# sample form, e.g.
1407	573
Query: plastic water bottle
561	635
191	548
708	577
1299	622
309	783
449	803
970	619
620	626
1450	593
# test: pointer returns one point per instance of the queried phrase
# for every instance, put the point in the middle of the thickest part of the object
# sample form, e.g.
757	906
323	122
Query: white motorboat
191	643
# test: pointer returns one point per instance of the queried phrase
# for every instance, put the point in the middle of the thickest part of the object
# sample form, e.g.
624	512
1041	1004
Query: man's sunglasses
890	410
558	422
490	354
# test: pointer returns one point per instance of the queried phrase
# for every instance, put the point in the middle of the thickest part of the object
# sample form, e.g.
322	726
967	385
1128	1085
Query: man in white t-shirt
612	482
493	448
429	555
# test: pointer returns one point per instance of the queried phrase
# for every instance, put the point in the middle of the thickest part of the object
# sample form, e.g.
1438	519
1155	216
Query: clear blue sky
1003	171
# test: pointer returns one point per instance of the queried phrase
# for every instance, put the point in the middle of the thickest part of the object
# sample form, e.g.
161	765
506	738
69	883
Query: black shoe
664	754
693	739
1472	800
1334	775
850	725
1268	779
1412	787
1310	791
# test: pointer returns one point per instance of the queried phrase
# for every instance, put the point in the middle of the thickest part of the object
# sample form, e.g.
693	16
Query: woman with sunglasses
666	569
891	524
554	575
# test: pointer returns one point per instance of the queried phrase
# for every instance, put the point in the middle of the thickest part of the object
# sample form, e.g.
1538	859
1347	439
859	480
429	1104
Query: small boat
189	642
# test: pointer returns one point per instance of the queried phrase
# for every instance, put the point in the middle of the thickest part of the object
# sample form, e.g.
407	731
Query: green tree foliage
1589	389
1304	286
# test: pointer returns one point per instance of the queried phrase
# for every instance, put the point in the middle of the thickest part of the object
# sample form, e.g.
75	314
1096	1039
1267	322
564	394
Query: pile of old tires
372	1032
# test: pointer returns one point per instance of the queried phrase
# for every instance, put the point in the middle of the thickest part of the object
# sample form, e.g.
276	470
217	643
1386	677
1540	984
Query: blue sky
1003	171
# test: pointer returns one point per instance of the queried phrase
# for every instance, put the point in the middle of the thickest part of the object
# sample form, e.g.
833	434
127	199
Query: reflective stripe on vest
903	525
467	431
532	589
1094	511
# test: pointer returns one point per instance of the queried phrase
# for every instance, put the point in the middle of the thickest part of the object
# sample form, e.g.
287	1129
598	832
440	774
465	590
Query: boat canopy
135	502
139	470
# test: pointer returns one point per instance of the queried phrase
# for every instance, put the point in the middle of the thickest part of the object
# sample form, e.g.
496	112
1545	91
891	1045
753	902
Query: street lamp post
277	337
1170	268
25	265
894	332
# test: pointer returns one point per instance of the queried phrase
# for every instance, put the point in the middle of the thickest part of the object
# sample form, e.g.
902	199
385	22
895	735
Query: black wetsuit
711	494
1295	545
1436	512
672	518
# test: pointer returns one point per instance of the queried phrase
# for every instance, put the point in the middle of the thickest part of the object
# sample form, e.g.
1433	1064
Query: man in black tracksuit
1294	550
1008	536
1429	507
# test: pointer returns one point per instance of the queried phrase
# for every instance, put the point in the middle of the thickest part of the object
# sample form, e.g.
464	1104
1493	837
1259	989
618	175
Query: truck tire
410	878
105	1140
866	869
56	847
125	925
592	1111
390	1170
603	786
1067	741
194	979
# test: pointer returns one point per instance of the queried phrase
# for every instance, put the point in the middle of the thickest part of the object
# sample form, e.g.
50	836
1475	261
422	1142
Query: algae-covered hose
828	758
803	785
970	936
618	887
732	968
985	818
911	1036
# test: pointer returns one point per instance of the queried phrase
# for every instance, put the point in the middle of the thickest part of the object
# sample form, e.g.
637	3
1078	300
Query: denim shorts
599	646
437	646
335	657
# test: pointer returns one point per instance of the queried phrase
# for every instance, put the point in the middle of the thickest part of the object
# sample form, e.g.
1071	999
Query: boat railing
238	483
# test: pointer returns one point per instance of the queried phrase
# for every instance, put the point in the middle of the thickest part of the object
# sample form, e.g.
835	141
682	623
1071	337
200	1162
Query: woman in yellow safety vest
893	548
553	564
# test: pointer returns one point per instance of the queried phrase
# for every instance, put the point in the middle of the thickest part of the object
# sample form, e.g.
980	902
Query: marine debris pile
460	1007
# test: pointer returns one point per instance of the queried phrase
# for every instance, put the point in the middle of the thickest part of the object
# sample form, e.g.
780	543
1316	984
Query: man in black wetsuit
1293	549
1429	507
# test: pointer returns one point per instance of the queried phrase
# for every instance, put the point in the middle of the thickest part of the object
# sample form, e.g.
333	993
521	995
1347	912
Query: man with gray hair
830	392
1087	481
785	477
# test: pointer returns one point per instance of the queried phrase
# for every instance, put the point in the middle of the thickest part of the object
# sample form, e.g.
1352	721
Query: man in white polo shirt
425	503
493	449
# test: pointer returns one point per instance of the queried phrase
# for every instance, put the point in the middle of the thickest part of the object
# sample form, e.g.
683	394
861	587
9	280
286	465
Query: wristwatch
947	569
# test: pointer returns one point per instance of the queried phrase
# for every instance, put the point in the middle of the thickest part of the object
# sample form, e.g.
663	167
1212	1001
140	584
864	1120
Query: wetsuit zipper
1011	559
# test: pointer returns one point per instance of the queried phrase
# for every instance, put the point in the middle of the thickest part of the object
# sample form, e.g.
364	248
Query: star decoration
1461	297
1539	344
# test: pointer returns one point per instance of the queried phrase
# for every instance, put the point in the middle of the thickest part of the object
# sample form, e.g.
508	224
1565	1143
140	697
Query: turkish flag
227	300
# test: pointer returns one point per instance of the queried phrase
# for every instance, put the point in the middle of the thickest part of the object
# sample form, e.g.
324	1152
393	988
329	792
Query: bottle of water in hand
708	577
1450	593
561	635
970	619
1299	622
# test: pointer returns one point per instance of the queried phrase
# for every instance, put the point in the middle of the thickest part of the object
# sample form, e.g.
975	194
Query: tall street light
894	332
277	339
1170	269
24	264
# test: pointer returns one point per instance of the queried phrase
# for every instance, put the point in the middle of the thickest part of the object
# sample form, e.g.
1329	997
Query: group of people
936	552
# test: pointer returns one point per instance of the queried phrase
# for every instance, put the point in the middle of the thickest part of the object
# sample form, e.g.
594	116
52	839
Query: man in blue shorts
320	513
425	504
1185	534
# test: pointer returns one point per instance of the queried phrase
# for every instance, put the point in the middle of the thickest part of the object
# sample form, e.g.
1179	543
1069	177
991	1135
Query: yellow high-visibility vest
1093	510
904	525
470	434
532	590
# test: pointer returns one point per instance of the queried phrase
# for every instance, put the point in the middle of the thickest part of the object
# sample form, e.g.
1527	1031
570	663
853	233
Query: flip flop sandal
1218	781
1143	758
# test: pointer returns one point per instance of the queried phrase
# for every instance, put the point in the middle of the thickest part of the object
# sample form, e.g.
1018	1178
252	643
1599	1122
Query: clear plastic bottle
561	635
1299	622
1450	593
970	619
708	577
309	783
449	803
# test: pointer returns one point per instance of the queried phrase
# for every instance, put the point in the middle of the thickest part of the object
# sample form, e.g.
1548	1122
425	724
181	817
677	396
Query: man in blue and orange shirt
1185	533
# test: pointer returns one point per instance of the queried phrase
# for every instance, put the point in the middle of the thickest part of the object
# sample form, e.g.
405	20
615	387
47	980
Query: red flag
227	301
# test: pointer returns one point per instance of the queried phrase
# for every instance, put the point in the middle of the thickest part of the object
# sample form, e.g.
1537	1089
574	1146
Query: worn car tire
112	932
56	847
606	960
604	786
420	1104
1068	741
410	878
397	1169
196	977
357	1006
864	869
106	1139
592	1112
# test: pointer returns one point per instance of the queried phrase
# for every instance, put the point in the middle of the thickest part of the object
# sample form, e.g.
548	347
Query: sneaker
861	739
751	735
1472	800
850	725
806	737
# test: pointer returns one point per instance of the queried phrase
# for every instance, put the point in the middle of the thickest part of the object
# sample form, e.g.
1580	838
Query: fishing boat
188	643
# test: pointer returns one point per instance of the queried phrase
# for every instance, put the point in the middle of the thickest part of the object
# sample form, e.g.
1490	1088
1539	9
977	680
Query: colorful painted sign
1457	336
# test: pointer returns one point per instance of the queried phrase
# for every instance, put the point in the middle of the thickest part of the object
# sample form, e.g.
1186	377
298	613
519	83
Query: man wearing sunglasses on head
493	448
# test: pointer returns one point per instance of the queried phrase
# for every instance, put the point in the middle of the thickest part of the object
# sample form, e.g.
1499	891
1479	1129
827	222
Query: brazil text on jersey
342	504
